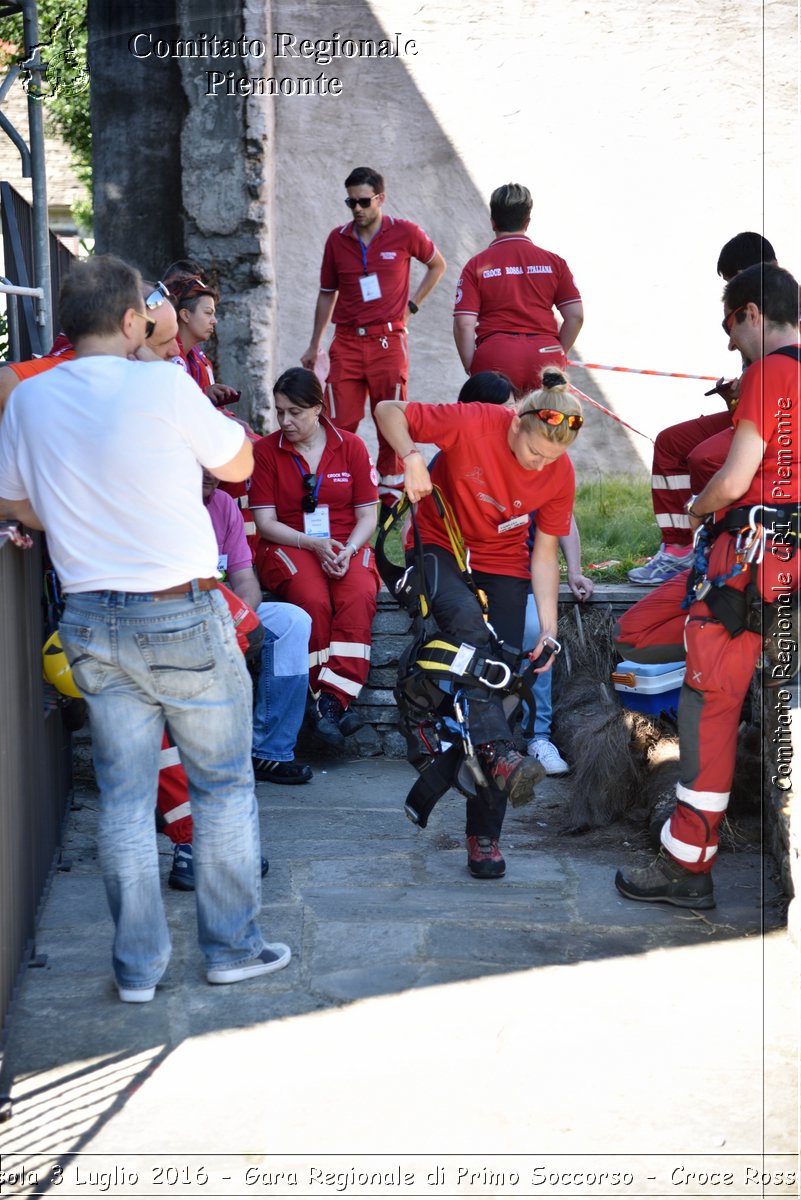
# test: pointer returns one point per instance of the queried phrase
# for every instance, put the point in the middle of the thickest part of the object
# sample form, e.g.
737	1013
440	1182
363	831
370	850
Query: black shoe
350	722
268	770
327	714
182	875
666	881
484	858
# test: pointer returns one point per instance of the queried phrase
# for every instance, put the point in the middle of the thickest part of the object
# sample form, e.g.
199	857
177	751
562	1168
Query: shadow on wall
382	120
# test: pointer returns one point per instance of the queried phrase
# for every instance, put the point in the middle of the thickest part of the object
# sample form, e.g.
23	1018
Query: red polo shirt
490	493
769	397
348	479
513	287
346	259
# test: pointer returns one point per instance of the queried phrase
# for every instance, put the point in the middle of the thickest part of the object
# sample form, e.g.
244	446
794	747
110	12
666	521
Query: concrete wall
137	114
179	173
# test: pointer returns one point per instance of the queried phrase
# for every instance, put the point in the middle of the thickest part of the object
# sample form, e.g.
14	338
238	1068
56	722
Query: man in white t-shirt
106	455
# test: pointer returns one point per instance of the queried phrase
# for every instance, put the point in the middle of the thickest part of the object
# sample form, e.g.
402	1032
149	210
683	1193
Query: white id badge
515	523
316	524
371	289
222	564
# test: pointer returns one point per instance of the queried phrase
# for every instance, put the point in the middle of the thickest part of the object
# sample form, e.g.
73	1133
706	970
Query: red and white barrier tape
609	413
588	366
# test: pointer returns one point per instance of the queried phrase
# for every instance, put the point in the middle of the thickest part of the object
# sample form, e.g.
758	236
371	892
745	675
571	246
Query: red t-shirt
35	366
490	493
769	397
513	286
199	368
388	256
195	363
348	479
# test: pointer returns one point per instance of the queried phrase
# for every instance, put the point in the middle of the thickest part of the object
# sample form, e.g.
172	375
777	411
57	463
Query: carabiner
752	523
507	674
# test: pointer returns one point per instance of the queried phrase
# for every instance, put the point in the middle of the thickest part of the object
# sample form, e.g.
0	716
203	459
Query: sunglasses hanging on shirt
311	486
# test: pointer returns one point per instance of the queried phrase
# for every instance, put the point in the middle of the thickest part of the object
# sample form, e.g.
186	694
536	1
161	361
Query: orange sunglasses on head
549	416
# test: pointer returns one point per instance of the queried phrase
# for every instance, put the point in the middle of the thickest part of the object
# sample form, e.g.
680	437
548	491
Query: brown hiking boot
512	773
666	881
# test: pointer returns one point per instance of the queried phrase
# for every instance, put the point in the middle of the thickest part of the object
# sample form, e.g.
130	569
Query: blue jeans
542	683
139	663
283	684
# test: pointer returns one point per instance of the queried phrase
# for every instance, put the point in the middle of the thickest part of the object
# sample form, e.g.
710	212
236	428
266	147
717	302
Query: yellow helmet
56	668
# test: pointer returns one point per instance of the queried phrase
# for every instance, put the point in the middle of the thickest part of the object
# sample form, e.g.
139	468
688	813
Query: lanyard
363	249
303	475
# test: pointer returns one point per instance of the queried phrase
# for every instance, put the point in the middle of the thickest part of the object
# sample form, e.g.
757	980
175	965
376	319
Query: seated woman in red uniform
313	497
495	467
195	303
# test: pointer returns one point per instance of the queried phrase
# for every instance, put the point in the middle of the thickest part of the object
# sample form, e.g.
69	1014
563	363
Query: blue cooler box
649	687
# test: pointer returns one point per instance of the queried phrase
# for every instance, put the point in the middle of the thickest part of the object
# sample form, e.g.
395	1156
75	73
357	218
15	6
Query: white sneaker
546	753
135	995
272	958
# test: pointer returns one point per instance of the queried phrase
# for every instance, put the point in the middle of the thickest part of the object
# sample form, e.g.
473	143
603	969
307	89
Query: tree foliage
65	93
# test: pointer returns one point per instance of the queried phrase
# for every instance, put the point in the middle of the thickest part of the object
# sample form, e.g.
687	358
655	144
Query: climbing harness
439	681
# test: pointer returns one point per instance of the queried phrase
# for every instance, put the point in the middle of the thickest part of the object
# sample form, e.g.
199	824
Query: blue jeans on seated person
283	685
141	662
541	687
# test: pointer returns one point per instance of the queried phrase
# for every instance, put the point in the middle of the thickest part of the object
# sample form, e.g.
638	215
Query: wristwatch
413	308
688	508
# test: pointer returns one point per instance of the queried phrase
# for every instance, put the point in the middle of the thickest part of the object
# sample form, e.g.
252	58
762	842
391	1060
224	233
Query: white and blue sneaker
548	756
661	567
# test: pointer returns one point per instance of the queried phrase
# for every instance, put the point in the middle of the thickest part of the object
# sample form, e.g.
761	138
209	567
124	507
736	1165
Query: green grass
616	522
615	518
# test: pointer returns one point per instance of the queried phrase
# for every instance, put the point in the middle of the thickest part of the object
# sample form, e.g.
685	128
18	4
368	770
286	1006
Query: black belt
768	515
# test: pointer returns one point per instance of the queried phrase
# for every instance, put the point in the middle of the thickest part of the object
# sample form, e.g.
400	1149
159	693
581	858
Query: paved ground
427	1018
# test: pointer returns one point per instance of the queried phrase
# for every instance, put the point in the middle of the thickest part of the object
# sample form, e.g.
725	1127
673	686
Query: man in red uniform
687	455
759	485
503	317
364	284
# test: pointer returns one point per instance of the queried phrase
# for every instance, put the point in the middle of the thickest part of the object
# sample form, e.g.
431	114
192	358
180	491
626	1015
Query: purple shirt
229	530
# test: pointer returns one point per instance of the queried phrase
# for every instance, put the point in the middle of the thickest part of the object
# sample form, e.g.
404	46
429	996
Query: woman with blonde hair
495	467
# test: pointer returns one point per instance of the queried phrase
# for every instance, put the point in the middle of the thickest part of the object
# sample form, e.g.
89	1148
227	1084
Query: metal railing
35	767
28	334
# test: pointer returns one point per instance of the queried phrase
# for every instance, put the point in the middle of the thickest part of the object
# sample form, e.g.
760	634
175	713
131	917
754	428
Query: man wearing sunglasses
749	511
364	286
687	455
107	456
507	297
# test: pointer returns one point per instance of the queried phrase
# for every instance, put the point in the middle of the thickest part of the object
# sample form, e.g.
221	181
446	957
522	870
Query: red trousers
172	800
341	610
718	675
686	456
374	365
519	356
656	620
